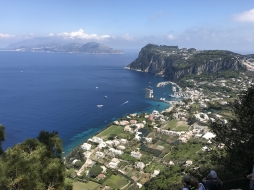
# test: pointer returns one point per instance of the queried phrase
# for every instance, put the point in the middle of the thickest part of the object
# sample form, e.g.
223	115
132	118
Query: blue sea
60	92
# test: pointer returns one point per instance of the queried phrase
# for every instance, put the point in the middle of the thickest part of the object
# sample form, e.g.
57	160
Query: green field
153	166
177	125
85	186
116	181
184	152
112	130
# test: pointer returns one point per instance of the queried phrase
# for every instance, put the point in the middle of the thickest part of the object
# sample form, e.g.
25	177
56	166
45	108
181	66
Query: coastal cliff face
174	63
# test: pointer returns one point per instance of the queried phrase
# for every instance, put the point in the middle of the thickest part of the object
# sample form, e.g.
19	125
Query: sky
125	24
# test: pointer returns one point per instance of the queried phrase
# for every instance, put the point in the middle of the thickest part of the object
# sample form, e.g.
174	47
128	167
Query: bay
60	92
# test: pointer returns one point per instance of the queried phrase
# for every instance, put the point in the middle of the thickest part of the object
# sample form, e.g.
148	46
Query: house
102	145
114	162
116	122
205	148
188	163
115	151
133	114
74	161
123	141
151	117
100	176
100	154
148	140
116	142
171	163
155	173
198	135
139	185
209	136
95	139
87	154
127	128
86	146
124	122
140	165
109	143
133	121
121	147
136	154
104	169
139	126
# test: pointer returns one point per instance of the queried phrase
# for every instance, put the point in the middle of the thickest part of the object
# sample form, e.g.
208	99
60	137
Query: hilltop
174	63
57	47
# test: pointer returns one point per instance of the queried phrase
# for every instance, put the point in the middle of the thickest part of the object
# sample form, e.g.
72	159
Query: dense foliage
237	136
33	164
95	171
2	138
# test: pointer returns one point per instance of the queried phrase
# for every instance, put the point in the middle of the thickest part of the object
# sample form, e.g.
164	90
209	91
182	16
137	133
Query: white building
100	155
136	154
102	145
155	173
123	141
109	143
209	135
115	151
121	147
114	162
96	140
124	122
188	163
86	146
148	140
116	142
140	165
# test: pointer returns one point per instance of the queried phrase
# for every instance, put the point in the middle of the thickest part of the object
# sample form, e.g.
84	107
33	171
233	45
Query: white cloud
82	35
6	35
51	34
246	16
171	37
129	37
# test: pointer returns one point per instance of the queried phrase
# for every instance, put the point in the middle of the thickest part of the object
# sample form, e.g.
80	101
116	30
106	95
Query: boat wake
124	103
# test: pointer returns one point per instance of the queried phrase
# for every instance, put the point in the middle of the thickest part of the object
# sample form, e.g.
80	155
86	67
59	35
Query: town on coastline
136	148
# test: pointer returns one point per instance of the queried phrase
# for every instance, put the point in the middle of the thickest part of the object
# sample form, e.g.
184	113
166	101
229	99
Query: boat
174	96
99	106
105	97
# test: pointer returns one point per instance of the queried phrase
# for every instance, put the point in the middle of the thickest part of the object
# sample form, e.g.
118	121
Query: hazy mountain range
46	45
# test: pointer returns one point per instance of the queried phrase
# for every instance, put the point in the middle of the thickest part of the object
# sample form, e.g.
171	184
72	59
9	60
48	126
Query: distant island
89	48
175	63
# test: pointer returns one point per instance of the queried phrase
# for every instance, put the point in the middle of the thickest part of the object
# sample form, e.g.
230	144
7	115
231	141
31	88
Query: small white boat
99	106
96	86
105	97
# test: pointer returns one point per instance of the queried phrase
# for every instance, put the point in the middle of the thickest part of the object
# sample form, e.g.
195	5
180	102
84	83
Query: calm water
46	91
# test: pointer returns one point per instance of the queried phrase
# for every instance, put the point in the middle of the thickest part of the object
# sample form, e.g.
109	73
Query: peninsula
174	63
88	48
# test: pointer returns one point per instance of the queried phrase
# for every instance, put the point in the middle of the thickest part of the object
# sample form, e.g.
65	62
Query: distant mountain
60	46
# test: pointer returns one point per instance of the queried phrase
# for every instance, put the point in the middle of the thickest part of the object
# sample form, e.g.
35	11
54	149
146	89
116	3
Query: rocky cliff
174	63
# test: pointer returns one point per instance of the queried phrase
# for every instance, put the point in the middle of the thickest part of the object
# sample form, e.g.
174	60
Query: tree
2	138
237	156
52	142
95	170
30	165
